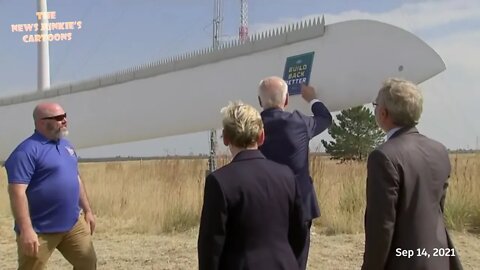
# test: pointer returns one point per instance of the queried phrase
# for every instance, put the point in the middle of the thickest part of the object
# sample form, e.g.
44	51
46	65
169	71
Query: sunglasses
56	117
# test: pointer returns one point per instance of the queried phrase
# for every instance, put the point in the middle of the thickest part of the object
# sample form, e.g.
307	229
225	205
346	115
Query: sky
117	34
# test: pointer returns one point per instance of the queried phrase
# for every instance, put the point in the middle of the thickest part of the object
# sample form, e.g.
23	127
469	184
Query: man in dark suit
251	216
287	137
406	187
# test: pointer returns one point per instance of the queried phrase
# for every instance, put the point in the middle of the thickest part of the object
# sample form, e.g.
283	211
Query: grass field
148	212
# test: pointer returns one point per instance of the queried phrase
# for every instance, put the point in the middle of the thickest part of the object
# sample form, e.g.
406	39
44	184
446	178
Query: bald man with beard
47	195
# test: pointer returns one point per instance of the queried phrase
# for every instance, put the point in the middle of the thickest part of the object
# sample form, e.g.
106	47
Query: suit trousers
75	245
304	255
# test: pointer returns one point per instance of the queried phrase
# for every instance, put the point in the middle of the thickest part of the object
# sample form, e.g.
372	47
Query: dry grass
177	251
463	200
157	196
341	192
153	196
137	202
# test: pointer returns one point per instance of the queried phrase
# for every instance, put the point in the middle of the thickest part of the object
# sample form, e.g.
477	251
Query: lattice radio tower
243	31
217	33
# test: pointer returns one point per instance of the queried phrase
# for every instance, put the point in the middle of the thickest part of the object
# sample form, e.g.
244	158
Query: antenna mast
243	31
217	33
217	22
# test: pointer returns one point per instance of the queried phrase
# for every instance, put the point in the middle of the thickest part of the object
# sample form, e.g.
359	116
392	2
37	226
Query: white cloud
423	15
412	16
460	49
451	99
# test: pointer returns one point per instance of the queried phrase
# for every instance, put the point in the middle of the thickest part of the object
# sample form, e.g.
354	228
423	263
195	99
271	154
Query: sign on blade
297	71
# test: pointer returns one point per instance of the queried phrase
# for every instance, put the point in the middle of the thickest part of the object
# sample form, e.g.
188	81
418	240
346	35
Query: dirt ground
120	251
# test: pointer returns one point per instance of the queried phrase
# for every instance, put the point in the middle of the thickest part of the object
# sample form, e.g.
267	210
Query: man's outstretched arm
321	119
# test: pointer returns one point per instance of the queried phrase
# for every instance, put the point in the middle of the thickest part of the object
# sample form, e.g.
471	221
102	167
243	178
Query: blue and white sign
297	71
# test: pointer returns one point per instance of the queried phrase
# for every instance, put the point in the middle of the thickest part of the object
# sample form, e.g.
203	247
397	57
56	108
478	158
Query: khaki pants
76	246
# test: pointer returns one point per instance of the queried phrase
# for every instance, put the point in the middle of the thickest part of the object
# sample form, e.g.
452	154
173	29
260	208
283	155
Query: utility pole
43	64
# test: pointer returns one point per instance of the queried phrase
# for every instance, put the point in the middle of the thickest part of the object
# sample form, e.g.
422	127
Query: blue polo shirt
50	170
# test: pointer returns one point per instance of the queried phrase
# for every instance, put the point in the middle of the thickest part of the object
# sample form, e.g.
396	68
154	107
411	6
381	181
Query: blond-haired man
406	187
251	216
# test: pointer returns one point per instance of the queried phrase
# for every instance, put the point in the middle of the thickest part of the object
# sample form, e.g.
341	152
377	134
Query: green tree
355	135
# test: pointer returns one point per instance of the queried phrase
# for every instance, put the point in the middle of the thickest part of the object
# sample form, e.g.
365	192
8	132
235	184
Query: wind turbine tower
43	61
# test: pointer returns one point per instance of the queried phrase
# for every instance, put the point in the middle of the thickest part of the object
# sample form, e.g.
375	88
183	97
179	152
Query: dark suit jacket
406	187
251	216
287	136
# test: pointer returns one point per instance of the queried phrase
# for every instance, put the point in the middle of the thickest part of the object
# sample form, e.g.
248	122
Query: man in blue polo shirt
46	195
